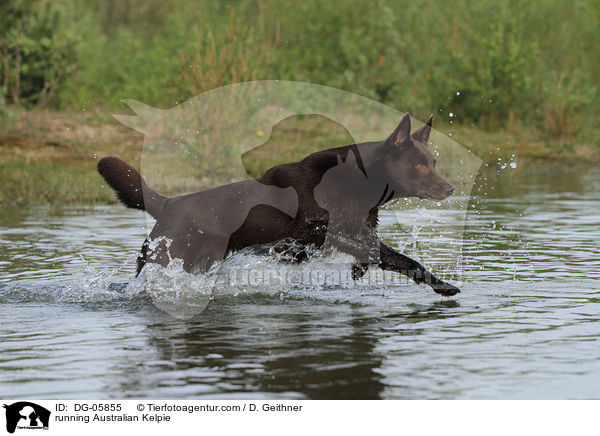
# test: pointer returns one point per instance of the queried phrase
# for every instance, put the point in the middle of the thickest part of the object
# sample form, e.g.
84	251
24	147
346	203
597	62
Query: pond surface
77	324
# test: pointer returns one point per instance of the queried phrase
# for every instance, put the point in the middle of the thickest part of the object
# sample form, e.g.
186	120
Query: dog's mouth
433	196
438	193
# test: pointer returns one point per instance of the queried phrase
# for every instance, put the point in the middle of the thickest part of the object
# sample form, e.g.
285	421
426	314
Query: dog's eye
422	168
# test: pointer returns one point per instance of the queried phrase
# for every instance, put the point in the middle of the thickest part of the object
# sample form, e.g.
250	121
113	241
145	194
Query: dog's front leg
394	261
364	246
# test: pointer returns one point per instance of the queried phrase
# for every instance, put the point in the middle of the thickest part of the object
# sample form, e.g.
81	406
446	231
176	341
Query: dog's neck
373	169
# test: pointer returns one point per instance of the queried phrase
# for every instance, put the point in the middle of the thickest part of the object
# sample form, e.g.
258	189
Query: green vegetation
49	157
518	77
491	63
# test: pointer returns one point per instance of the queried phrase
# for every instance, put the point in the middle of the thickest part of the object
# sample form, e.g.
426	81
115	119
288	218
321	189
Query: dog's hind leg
141	259
394	261
202	252
359	269
290	250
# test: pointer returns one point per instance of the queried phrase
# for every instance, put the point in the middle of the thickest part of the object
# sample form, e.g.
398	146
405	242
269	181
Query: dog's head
409	166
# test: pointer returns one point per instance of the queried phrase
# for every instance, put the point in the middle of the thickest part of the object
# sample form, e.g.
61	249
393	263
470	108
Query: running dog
330	198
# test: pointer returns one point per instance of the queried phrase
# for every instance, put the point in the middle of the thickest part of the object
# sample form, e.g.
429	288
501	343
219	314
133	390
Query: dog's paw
445	289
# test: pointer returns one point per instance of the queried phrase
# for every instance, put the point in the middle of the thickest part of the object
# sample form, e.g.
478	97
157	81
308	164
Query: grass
524	143
49	157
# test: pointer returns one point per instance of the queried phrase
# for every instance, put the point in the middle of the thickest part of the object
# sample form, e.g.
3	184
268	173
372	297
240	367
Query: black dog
329	198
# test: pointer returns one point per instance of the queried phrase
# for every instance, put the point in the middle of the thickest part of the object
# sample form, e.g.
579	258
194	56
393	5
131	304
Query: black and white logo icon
26	415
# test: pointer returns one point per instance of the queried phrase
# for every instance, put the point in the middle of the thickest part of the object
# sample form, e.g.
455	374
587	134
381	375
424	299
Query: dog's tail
129	186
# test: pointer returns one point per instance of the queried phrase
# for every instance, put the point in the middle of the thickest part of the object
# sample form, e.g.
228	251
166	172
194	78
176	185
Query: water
76	324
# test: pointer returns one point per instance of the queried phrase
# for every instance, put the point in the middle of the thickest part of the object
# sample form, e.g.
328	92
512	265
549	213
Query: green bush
487	62
494	78
36	49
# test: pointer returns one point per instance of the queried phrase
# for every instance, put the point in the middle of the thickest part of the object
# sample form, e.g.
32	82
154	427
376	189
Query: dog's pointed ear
422	133
401	133
351	160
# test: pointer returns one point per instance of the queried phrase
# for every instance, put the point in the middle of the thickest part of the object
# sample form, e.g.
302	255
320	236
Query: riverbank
49	157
